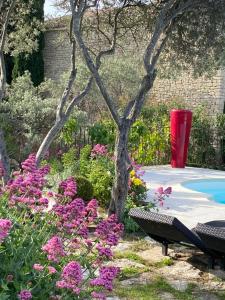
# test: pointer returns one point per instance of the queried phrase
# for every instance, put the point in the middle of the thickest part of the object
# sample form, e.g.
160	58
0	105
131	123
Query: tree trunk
4	157
122	168
51	135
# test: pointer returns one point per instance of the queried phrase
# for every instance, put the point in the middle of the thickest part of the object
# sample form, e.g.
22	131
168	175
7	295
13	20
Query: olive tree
183	32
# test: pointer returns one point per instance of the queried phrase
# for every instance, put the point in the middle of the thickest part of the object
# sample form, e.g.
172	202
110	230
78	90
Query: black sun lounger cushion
213	237
164	228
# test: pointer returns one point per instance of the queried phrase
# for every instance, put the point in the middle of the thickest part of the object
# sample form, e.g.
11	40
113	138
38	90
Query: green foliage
101	175
153	290
132	271
131	256
103	133
167	261
84	188
25	116
68	131
69	158
201	149
33	62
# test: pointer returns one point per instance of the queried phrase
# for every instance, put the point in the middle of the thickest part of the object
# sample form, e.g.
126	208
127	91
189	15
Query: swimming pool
215	188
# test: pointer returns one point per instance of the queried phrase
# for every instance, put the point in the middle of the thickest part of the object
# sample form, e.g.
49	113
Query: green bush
101	176
84	188
103	133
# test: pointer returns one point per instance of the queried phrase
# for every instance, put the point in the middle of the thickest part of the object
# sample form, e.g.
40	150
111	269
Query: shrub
103	133
84	188
51	254
101	176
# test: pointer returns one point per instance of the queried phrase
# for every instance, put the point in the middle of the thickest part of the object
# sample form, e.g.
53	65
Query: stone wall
194	91
57	53
208	91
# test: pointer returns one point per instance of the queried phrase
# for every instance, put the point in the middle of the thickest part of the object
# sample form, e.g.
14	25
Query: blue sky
49	9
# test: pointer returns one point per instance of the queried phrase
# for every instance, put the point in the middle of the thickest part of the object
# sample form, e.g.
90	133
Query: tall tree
187	32
33	62
22	39
165	18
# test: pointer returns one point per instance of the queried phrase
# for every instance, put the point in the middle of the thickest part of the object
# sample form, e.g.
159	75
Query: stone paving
188	267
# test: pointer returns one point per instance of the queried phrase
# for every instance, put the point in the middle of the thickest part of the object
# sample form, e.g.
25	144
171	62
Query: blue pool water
215	188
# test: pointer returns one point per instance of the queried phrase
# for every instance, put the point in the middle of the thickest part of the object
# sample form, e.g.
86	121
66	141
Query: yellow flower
137	181
132	173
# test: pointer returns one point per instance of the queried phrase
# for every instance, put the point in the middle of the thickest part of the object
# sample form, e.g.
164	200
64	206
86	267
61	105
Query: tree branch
77	99
90	63
66	93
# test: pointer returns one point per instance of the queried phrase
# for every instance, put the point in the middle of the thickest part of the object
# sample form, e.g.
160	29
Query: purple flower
54	249
106	277
26	187
104	251
68	187
109	230
25	295
5	226
71	277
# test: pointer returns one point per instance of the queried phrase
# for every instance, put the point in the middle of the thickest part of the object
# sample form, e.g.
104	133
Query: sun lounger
169	230
212	234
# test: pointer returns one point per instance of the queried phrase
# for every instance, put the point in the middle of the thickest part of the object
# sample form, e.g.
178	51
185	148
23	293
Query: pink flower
5	226
68	187
54	248
38	267
26	187
168	190
51	270
109	230
25	295
98	295
104	251
106	277
159	190
71	277
99	149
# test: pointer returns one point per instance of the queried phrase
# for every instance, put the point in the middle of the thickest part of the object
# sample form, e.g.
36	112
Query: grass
152	291
167	261
131	256
131	272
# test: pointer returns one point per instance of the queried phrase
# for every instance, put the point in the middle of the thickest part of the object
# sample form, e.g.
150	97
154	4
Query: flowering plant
47	249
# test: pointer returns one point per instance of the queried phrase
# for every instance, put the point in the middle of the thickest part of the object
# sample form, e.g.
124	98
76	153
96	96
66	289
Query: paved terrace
188	206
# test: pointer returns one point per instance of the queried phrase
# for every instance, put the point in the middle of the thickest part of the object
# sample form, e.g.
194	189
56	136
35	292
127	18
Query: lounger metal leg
223	263
164	249
211	262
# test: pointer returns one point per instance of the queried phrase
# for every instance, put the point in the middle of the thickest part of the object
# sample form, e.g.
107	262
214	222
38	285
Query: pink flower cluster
5	226
109	230
71	277
75	216
25	295
40	268
161	194
137	168
106	276
54	249
27	186
68	188
99	150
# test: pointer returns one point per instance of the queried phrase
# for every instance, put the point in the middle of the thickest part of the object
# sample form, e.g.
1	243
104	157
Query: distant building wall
208	91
